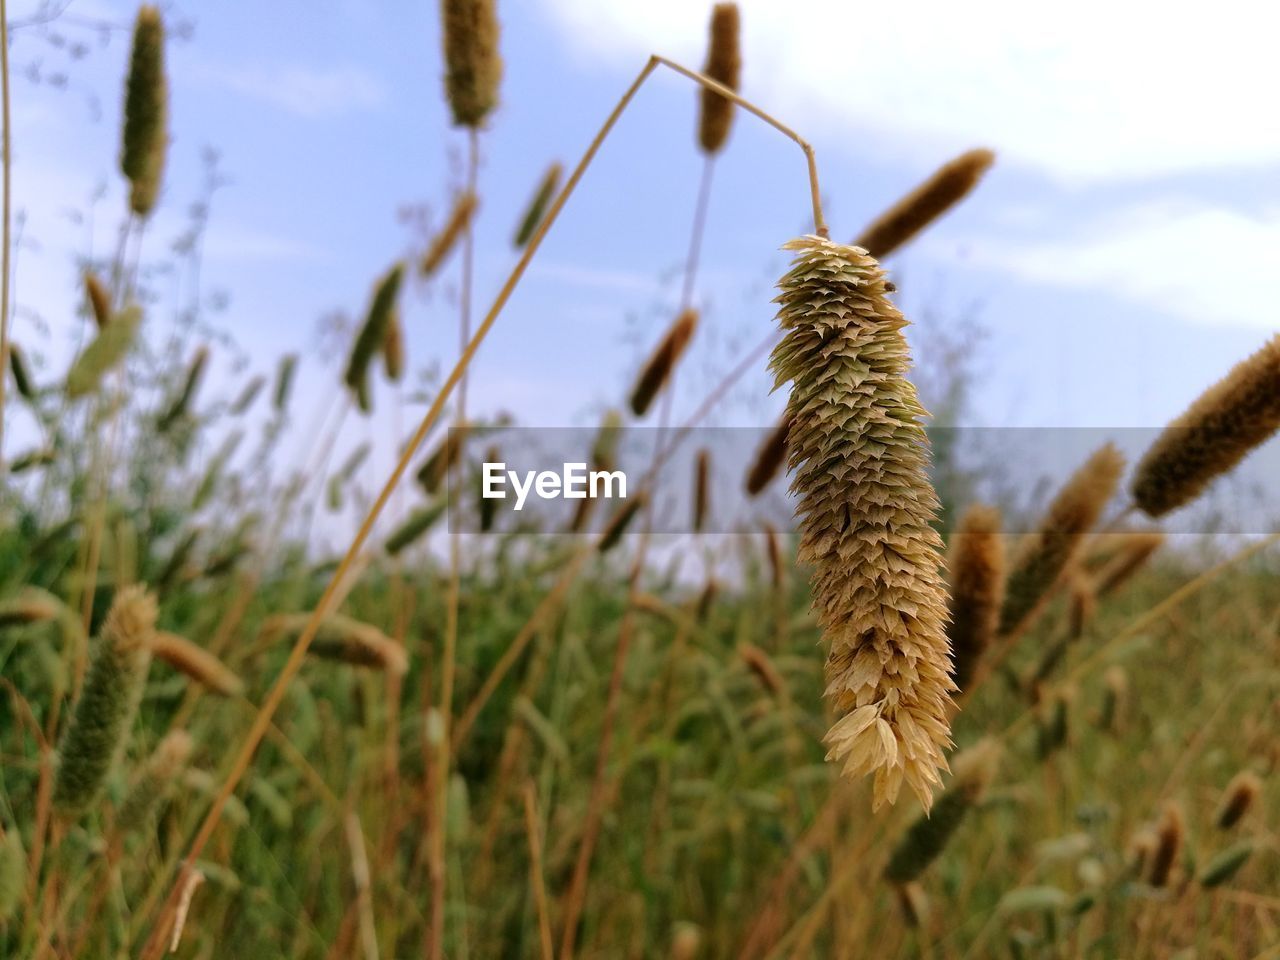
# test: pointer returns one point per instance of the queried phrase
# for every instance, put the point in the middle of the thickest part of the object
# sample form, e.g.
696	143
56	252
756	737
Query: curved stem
156	942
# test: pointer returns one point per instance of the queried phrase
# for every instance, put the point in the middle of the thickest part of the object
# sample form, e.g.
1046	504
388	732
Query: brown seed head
769	458
473	66
464	208
657	370
146	108
1215	433
758	662
1170	833
99	299
197	663
977	568
701	489
1133	550
724	65
1241	793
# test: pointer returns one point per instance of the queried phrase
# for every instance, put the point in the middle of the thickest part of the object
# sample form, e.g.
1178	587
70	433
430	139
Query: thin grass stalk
154	945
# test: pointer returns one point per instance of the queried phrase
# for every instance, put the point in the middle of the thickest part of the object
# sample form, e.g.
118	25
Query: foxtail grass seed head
1115	699
442	459
21	375
950	184
100	725
977	569
197	663
488	506
759	663
99	299
1229	420
373	334
769	458
160	772
773	554
247	395
658	368
284	381
181	405
146	109
30	605
866	509
1241	794
104	353
393	348
1082	605
537	208
914	903
442	244
1170	834
929	835
701	489
1225	865
473	66
414	526
724	65
1134	550
1046	556
604	452
619	522
346	640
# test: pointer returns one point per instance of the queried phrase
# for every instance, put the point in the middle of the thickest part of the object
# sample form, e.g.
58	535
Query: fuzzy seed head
197	663
1236	414
1046	556
701	489
284	381
99	727
99	299
442	244
1133	550
657	370
146	109
950	184
1170	833
1241	794
537	209
860	455
162	769
393	348
473	67
724	65
977	568
373	334
769	458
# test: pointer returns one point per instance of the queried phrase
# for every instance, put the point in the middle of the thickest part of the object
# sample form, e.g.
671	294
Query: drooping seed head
1229	420
373	334
760	664
657	370
473	66
344	640
619	522
197	663
414	526
950	184
190	384
724	65
860	455
977	570
146	109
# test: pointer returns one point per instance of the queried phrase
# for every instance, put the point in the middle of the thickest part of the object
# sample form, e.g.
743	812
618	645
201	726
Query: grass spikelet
372	335
1170	834
860	455
537	208
191	383
104	353
1046	555
604	452
13	872
414	526
32	459
758	663
773	554
197	663
1215	433
1134	550
1241	794
1225	865
769	458
146	107
249	394
929	835
393	348
21	375
724	64
488	506
473	67
284	381
99	299
442	244
439	462
345	640
1082	605
977	568
701	489
162	768
950	184
99	727
29	605
657	369
619	522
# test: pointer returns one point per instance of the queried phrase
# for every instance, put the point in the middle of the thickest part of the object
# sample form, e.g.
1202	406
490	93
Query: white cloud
308	92
1203	263
1094	90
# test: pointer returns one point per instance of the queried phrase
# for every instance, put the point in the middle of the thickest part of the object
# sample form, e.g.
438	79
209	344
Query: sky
1122	254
